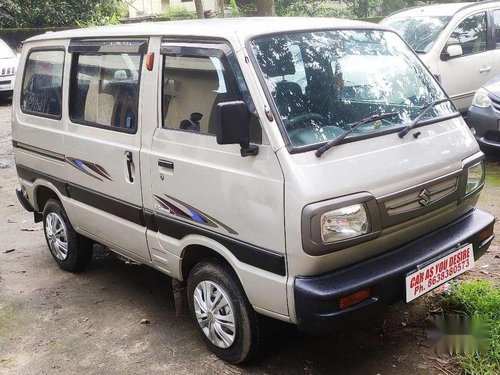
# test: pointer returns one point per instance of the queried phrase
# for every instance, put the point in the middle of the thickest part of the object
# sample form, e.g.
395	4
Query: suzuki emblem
424	198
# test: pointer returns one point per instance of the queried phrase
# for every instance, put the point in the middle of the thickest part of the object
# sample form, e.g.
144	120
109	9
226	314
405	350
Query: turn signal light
486	233
354	298
150	59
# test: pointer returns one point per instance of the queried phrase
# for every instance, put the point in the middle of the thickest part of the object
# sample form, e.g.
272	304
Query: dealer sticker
442	270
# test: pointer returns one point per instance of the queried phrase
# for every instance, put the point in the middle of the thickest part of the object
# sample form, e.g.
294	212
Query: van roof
215	27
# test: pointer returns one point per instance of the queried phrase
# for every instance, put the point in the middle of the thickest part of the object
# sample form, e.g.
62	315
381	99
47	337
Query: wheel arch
42	193
193	254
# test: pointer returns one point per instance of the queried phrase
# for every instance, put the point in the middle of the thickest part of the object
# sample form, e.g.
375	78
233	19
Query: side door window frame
488	41
206	48
100	47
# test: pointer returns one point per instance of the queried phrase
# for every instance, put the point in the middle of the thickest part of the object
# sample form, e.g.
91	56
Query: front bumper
317	297
6	86
486	123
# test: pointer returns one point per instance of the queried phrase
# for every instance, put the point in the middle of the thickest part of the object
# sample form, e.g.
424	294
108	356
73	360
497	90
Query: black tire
79	248
246	339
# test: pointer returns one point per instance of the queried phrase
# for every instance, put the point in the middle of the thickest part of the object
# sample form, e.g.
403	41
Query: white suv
459	43
8	67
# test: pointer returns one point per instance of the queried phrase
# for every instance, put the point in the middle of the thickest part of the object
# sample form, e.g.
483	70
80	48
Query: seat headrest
275	58
288	88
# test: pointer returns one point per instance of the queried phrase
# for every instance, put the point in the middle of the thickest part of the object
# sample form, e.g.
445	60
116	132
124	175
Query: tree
199	8
62	13
266	8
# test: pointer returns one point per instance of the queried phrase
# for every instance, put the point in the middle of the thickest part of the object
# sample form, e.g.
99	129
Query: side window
42	83
470	34
193	86
496	20
105	90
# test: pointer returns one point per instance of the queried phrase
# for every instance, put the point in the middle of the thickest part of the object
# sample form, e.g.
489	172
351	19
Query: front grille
8	71
495	103
5	82
408	204
421	198
492	135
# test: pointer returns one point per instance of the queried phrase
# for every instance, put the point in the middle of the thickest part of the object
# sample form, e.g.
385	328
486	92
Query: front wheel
225	318
71	251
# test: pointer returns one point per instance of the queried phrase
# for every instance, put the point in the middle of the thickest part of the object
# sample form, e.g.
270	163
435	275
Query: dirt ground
53	322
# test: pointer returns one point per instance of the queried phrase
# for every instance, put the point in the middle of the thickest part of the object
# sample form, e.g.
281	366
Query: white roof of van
433	10
214	27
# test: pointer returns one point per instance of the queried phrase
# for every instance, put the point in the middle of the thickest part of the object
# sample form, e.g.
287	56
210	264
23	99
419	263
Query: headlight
475	177
481	99
343	223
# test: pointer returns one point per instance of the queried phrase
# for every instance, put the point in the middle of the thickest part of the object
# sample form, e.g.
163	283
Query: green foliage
179	13
234	7
493	174
62	13
363	8
482	299
305	8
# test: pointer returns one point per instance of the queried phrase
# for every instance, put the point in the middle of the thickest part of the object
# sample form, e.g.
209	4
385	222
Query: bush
179	13
482	299
304	8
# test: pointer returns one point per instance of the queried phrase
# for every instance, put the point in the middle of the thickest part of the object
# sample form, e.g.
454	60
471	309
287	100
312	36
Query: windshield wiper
339	138
423	110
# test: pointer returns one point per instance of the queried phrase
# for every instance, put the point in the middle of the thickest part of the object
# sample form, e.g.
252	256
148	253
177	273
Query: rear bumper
317	297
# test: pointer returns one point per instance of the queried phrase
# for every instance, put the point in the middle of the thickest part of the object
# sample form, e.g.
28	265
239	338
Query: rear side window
105	90
42	83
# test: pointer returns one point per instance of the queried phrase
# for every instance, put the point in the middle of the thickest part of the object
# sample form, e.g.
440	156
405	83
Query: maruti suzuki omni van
309	170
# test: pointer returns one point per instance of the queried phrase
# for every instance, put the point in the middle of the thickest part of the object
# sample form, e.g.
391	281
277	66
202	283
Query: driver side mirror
233	126
451	51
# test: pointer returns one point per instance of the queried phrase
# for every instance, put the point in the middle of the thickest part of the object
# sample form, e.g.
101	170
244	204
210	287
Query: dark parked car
484	116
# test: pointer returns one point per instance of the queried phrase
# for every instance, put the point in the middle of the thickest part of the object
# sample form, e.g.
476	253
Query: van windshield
322	82
419	32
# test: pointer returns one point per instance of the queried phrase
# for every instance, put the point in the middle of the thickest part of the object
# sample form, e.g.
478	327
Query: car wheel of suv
71	251
225	318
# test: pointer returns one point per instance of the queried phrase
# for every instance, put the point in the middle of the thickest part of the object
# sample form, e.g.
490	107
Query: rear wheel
219	307
71	251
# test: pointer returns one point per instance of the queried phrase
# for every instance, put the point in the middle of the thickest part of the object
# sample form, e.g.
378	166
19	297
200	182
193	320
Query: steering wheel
302	120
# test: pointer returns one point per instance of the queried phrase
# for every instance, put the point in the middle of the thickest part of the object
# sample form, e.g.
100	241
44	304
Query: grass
481	298
493	173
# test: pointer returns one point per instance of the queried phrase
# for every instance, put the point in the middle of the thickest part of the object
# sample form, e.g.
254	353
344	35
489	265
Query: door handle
130	161
485	69
165	164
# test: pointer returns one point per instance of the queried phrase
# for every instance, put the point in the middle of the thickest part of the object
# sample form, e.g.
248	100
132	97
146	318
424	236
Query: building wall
139	8
207	4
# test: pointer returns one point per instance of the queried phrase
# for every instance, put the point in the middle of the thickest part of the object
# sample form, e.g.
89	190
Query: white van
309	170
459	43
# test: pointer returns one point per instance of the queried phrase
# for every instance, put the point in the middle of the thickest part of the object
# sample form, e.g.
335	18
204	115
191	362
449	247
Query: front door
103	143
463	75
203	191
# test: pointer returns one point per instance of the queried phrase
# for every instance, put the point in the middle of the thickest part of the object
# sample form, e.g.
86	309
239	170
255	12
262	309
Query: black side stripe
116	207
244	252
